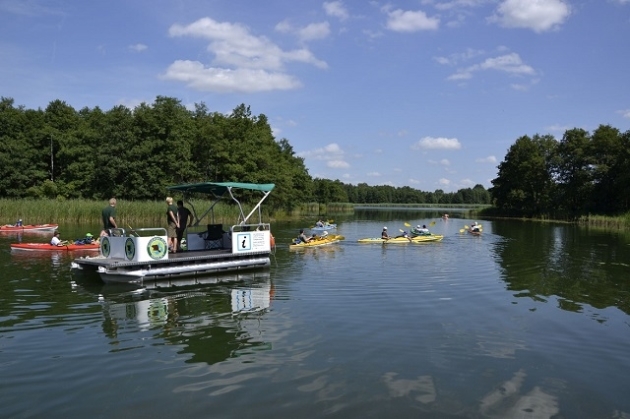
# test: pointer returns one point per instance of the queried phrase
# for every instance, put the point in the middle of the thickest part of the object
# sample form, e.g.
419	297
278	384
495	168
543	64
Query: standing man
185	220
109	217
173	224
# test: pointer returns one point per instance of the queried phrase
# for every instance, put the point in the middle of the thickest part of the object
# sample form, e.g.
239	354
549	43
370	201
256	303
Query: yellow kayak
403	240
318	241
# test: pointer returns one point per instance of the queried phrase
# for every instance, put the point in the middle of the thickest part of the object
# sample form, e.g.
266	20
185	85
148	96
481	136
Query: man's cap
88	235
384	228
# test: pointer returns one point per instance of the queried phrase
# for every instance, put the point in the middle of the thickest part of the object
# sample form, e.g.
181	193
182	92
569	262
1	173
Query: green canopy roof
218	189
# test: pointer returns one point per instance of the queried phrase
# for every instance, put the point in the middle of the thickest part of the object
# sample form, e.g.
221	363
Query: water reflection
580	266
210	323
509	401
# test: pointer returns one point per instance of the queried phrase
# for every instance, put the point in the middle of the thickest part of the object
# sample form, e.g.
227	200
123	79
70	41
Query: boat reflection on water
212	319
35	258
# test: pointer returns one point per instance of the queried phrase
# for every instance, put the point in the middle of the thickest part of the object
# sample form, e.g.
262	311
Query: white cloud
307	33
454	59
374	174
28	8
625	112
410	21
466	183
284	27
314	31
331	151
131	103
336	9
223	80
444	182
445	162
537	15
242	62
509	63
459	4
439	143
138	47
414	181
489	159
559	128
338	164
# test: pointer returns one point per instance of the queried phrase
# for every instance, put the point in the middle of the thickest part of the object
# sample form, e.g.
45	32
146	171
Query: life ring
272	241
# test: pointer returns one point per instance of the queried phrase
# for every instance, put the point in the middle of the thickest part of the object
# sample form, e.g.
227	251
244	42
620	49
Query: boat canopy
220	188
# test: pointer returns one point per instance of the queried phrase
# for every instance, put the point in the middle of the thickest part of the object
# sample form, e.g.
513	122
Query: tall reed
134	213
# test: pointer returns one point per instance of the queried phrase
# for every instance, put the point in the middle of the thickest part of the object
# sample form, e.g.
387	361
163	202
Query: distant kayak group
320	235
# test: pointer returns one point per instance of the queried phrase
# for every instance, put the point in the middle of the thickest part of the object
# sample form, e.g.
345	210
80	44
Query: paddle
407	225
432	223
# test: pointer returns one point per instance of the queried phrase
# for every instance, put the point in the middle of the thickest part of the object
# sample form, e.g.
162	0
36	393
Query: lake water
527	320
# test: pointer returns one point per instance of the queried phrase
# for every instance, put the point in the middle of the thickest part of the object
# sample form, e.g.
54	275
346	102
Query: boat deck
173	258
181	264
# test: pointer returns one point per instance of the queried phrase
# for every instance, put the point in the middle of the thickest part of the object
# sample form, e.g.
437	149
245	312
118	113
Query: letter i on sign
244	241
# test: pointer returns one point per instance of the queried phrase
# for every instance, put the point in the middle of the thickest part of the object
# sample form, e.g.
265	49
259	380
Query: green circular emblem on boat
106	246
130	248
156	248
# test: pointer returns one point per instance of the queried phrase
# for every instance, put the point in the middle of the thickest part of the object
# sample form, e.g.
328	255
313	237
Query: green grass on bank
146	213
153	213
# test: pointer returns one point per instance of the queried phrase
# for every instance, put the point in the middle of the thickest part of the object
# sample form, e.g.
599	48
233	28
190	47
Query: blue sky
426	93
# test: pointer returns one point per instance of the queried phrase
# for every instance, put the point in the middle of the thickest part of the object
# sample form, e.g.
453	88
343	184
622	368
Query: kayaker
319	223
423	230
405	235
88	239
56	241
19	223
384	234
475	227
303	237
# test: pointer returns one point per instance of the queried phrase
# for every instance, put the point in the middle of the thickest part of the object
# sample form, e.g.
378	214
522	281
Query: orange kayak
46	247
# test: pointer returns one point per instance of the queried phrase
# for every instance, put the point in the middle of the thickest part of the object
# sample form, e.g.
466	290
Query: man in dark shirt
109	217
185	220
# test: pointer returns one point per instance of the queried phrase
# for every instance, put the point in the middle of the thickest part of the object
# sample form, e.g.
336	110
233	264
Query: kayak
403	240
29	227
319	241
416	232
324	228
47	247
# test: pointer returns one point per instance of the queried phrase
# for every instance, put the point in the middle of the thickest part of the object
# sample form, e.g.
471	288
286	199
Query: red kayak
47	247
29	227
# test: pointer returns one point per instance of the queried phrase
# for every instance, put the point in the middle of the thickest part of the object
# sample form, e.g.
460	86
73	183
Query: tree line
583	173
134	154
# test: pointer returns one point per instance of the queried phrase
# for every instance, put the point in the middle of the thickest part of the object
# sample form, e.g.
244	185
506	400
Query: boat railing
138	232
250	227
